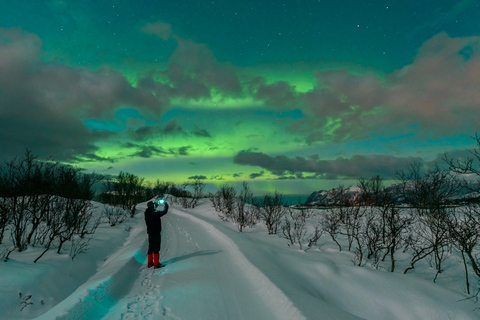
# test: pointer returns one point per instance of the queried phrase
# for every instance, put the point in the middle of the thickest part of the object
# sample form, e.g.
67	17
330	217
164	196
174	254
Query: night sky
294	96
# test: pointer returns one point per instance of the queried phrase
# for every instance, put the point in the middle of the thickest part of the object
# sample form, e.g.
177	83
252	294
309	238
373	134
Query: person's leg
151	247
156	251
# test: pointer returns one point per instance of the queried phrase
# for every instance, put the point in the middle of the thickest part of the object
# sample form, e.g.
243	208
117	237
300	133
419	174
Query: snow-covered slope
214	272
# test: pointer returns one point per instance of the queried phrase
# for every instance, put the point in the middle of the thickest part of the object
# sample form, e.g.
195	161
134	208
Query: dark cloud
42	104
197	177
183	151
356	167
200	132
256	175
172	127
93	157
149	151
144	132
279	95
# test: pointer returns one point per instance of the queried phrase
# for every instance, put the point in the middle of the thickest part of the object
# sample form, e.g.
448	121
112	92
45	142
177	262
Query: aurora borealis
290	95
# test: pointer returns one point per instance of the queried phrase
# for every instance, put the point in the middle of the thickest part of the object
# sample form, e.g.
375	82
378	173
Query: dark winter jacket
153	219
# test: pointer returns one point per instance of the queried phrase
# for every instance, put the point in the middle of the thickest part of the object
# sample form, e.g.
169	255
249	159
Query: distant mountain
325	197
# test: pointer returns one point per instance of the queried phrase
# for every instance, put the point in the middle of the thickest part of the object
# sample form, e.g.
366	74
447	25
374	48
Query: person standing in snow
154	229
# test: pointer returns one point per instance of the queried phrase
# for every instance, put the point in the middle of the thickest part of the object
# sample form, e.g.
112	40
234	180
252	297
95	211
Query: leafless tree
294	225
19	178
79	245
68	218
428	192
244	213
114	214
197	192
351	215
162	187
468	165
314	235
331	222
272	210
372	233
464	229
125	190
36	195
224	201
371	191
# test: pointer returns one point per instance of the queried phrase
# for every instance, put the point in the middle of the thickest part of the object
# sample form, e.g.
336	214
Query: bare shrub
331	221
224	201
428	193
294	226
79	245
244	213
114	214
464	230
272	210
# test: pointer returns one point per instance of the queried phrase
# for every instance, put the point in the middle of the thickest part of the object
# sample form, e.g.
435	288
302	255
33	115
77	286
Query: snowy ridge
275	300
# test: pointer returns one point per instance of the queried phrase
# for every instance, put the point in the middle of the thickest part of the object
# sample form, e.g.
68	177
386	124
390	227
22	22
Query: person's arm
164	211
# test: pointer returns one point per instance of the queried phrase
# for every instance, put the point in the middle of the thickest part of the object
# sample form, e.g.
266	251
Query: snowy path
205	277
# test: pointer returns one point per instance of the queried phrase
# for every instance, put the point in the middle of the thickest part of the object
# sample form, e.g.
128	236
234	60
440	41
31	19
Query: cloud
43	104
353	168
197	177
184	151
279	95
145	132
440	88
200	132
159	28
86	157
436	95
193	71
148	151
172	127
256	175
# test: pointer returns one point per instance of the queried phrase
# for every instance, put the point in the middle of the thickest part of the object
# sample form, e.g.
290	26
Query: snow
214	272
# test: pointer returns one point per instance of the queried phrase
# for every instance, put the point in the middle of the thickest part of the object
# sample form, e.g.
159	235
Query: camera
159	202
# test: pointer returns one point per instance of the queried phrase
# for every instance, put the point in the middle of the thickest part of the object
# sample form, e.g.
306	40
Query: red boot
150	260
156	263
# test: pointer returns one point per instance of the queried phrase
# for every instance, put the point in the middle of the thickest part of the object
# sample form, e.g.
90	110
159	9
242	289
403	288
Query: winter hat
150	204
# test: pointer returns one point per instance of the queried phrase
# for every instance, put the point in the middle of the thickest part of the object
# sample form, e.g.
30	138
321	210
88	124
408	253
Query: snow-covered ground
214	272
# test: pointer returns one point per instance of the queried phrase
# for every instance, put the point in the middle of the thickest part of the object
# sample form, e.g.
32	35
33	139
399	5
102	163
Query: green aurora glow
291	96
